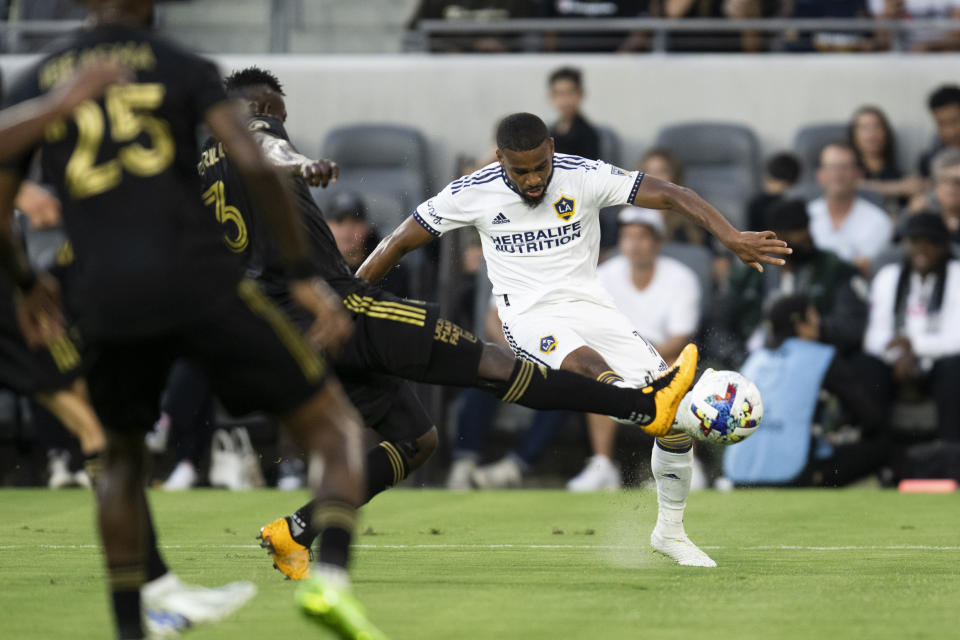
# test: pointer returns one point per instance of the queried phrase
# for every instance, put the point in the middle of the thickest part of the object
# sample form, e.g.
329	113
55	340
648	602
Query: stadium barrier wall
456	100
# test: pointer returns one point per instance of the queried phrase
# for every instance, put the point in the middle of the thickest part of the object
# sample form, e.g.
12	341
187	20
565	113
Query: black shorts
393	336
27	371
252	354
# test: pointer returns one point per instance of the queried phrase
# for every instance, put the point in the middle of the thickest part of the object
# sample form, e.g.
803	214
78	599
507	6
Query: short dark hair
789	215
943	96
521	132
572	74
237	81
784	166
783	316
839	144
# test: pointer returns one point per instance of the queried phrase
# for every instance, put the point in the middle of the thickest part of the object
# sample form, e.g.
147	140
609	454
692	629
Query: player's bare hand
320	173
40	207
757	248
87	84
332	326
39	312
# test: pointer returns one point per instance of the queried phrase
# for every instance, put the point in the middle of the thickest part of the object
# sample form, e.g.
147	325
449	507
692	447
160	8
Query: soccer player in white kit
537	213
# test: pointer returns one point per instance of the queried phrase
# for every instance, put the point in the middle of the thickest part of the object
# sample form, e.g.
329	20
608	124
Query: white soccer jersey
542	254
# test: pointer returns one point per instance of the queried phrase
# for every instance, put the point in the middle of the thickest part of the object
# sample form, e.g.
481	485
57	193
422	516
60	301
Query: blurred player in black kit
392	336
155	285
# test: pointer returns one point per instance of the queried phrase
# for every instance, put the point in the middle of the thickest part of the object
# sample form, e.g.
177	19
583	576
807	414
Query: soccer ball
722	406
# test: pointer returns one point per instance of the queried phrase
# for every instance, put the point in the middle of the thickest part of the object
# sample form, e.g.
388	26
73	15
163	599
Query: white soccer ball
722	406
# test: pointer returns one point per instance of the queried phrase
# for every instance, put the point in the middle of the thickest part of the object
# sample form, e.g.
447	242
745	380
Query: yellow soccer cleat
290	558
669	390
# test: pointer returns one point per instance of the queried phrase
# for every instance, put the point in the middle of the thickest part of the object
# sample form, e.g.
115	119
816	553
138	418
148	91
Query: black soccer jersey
125	168
261	257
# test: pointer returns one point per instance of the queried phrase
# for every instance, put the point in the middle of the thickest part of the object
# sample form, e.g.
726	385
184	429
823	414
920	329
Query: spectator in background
356	238
872	138
780	174
660	162
716	40
944	105
946	192
595	41
828	41
572	133
474	10
661	297
841	221
791	372
835	287
913	335
920	40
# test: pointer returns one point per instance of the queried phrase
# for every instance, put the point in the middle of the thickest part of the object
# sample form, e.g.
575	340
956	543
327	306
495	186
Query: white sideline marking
496	547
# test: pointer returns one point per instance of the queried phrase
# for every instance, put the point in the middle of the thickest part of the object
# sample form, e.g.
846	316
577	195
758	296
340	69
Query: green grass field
530	564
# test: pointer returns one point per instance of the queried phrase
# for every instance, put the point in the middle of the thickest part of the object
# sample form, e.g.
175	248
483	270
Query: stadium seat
809	141
610	148
386	164
720	162
697	258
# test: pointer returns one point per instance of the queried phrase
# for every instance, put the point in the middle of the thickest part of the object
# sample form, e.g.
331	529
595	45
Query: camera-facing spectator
875	143
946	191
841	221
661	297
356	238
914	314
572	132
944	105
779	175
834	286
660	162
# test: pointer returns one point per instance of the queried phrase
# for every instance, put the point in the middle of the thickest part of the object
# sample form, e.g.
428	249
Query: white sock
337	575
672	472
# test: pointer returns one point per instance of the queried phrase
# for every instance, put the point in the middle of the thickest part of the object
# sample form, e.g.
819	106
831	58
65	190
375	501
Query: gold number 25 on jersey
128	110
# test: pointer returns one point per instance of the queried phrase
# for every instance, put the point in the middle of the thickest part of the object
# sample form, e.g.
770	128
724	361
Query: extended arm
275	204
282	154
404	239
24	124
752	247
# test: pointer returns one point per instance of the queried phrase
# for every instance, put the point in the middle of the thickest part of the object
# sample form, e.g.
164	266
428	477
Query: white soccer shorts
548	333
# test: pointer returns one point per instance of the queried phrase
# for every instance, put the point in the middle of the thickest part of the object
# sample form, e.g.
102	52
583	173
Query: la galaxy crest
548	344
564	208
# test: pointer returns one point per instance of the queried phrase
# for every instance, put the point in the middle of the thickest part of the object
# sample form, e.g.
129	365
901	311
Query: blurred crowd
680	40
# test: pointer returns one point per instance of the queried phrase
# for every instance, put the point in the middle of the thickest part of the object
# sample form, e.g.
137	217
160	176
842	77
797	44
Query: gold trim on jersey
395	311
310	362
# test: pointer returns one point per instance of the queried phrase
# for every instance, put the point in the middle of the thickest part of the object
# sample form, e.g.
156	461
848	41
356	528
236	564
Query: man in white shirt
661	298
538	217
842	222
913	332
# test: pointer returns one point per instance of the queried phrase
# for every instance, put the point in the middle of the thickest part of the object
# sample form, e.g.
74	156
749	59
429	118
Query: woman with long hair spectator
875	143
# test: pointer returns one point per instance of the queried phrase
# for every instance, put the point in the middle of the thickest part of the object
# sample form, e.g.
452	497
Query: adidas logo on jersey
501	219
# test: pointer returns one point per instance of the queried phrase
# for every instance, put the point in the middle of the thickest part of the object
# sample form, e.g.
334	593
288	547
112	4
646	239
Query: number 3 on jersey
128	109
227	213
